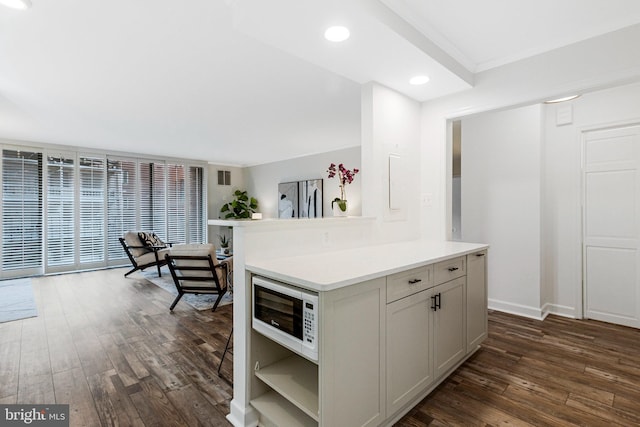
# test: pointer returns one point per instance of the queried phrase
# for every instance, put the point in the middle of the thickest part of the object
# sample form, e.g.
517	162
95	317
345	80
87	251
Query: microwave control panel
309	324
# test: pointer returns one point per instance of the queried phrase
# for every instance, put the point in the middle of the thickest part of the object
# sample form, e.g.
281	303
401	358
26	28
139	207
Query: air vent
224	177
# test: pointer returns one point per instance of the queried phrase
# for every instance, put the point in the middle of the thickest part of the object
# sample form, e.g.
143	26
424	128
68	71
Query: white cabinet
347	385
409	367
409	282
477	326
449	345
294	380
425	333
383	345
284	385
352	355
449	269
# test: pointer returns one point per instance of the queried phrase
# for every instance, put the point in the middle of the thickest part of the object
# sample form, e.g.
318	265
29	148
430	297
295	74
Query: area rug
16	300
199	302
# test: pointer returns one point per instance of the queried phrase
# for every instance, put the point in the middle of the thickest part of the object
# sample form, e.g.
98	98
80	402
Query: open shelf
296	379
277	410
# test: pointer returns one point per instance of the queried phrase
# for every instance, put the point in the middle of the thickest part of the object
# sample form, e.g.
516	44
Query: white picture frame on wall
288	200
310	202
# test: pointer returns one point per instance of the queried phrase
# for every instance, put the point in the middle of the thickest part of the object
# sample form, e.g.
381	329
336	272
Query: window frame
73	217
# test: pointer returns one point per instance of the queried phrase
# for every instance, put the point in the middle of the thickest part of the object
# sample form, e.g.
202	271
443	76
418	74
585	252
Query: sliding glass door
197	213
64	211
61	212
92	201
122	205
21	213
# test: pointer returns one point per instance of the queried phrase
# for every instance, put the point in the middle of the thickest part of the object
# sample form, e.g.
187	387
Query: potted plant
224	244
345	176
241	207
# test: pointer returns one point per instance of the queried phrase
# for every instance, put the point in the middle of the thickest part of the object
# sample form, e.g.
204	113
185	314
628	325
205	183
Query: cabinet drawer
449	270
409	282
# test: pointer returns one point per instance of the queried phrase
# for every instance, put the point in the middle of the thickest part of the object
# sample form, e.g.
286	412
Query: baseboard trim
517	309
559	310
242	417
533	312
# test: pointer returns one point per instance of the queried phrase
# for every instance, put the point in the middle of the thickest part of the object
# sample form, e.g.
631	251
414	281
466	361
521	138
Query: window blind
121	203
176	204
153	204
197	224
63	210
91	173
60	211
21	211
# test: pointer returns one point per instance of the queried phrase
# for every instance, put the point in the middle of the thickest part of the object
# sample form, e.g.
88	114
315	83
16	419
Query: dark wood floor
109	347
559	372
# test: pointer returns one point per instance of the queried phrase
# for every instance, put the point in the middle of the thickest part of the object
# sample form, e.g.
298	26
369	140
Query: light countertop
331	270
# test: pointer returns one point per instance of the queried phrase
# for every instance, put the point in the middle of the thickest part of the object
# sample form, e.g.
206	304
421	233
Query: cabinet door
409	367
352	355
449	324
476	299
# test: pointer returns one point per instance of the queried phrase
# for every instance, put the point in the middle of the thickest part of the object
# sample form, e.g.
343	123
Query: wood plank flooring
559	372
109	347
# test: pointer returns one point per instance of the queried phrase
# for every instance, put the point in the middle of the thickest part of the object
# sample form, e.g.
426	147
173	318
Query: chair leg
159	273
175	301
131	271
215	305
226	348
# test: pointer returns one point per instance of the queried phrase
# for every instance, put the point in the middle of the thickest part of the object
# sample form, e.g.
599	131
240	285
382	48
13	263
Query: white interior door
610	225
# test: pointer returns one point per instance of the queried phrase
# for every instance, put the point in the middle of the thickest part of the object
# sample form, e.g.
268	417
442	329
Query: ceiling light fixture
16	4
419	80
566	98
337	33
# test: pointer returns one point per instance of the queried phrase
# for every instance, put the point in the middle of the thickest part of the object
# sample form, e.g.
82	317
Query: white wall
218	195
557	160
391	125
500	203
584	67
262	180
592	64
562	238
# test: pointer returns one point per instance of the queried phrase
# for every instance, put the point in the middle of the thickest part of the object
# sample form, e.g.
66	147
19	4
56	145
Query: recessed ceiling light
566	98
337	34
418	80
16	4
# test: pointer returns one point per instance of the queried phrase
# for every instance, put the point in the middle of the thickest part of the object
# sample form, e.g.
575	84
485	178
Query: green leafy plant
224	241
241	207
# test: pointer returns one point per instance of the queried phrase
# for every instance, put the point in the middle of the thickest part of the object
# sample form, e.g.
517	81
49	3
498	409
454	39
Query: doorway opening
456	176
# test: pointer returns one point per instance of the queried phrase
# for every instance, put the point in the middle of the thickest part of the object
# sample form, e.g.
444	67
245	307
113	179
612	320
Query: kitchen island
394	321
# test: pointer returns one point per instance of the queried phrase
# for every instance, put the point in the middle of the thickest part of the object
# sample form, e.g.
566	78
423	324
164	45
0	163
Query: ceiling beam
404	29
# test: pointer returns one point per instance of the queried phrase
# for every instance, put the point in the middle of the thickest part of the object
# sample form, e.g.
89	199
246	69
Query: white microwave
287	315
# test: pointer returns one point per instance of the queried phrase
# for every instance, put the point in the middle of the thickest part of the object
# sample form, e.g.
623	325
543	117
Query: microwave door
278	310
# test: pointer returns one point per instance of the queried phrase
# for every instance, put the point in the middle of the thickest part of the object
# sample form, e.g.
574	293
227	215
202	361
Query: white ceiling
253	81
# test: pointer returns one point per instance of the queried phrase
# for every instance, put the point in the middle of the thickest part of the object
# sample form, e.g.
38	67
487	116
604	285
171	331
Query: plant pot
340	207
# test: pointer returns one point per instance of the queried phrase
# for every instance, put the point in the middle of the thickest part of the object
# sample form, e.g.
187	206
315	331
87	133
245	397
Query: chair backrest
131	238
194	265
